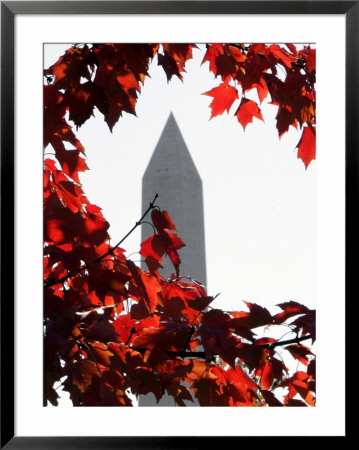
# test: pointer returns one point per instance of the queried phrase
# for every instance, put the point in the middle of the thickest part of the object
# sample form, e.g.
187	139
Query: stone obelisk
172	174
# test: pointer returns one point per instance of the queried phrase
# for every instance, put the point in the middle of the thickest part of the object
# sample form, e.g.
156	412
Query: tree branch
52	282
110	252
202	354
288	341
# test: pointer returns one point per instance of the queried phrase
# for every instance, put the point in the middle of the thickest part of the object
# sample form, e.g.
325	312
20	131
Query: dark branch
132	229
182	353
202	355
288	341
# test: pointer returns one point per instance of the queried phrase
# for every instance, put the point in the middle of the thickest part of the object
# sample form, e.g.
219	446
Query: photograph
179	224
178	195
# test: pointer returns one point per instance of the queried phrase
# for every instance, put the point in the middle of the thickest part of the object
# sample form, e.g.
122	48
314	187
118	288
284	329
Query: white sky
259	201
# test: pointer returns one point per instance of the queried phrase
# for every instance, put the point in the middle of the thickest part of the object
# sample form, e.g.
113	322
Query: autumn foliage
112	328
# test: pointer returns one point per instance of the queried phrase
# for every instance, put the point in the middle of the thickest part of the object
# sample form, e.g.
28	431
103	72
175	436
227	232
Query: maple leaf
157	245
170	66
269	368
256	317
153	248
213	50
82	373
290	309
237	53
225	66
262	89
105	282
270	398
237	375
124	326
299	352
292	48
179	393
223	97
162	220
298	384
145	287
306	146
101	352
81	101
127	359
208	392
285	118
180	52
306	324
71	162
56	129
309	55
118	74
250	354
174	58
71	67
246	111
282	55
216	336
69	192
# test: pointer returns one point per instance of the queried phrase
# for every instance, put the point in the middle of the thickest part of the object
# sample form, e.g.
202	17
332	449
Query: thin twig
132	229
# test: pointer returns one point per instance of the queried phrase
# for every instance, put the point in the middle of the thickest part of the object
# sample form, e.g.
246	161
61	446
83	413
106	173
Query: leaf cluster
111	328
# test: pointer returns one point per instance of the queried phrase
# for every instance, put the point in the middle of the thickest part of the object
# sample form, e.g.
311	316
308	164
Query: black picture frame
9	10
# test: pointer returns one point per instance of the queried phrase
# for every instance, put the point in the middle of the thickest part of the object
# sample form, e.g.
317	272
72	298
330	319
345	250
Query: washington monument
172	174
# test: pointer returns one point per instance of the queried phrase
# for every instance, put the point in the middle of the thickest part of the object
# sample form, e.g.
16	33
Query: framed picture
278	224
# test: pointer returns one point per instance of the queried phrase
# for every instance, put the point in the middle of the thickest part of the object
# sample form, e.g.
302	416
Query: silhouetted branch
288	341
202	354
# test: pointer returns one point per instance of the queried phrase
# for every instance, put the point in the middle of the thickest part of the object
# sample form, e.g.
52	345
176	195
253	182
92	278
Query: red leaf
223	97
237	375
170	66
290	309
213	50
270	398
153	264
145	287
71	67
269	369
307	324
265	371
71	162
281	55
256	317
216	337
153	247
298	384
226	67
162	220
292	48
299	352
285	118
306	146
246	111
81	101
174	58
